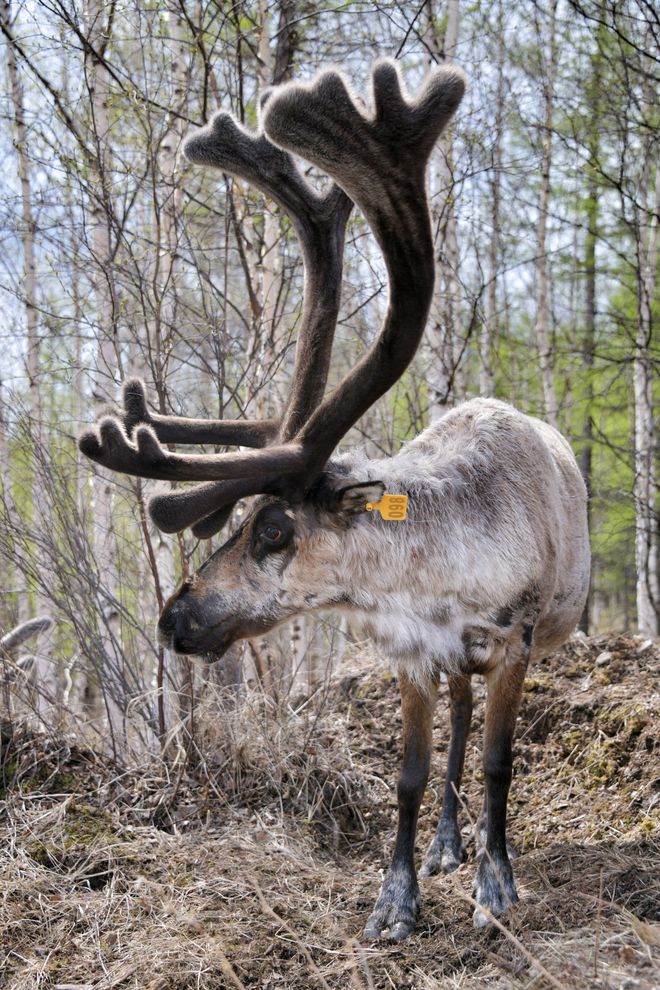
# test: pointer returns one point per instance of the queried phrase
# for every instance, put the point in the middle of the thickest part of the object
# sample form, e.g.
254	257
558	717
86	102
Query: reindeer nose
166	624
194	625
174	621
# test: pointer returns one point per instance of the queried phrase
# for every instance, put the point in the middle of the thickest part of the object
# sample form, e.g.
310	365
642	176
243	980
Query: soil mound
256	864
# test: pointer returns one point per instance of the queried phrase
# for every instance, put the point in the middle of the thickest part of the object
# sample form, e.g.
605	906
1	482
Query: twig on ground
267	909
599	915
515	941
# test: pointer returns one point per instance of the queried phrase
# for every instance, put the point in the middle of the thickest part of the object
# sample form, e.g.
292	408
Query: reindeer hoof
494	890
391	933
397	931
394	916
479	838
480	919
444	856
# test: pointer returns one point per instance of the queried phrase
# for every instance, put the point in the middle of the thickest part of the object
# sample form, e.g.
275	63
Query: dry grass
258	868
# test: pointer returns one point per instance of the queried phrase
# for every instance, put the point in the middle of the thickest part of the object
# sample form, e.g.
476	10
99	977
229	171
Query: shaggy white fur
495	540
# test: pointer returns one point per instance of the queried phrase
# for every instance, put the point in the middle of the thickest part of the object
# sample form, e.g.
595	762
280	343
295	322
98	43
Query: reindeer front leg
446	852
494	886
396	909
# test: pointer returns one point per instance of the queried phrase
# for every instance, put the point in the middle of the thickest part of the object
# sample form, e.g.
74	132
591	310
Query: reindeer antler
379	160
320	223
129	439
176	429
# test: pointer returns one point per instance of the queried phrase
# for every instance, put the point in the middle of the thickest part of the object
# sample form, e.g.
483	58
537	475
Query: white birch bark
489	330
542	321
444	333
44	672
270	368
20	589
269	385
645	488
103	687
167	222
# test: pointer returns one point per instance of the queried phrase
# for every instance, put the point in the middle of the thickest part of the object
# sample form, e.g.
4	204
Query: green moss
601	756
179	878
572	744
44	853
45	779
625	720
601	770
84	825
59	963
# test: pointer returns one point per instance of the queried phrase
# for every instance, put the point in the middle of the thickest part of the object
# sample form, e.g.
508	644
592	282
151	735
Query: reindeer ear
353	498
344	501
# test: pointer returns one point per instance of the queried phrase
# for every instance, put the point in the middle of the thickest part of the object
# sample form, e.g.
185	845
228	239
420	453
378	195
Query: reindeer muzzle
186	629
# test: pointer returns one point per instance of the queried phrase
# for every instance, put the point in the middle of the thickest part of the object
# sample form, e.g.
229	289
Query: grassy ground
259	868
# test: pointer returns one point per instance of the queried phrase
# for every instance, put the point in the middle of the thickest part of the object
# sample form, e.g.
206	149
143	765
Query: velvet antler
379	160
129	439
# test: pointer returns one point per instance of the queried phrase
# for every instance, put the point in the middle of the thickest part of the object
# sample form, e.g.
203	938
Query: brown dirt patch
258	868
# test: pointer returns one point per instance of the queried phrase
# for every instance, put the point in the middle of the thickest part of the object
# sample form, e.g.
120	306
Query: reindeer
490	569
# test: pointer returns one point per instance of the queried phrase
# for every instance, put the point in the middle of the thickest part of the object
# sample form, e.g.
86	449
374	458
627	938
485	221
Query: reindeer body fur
495	546
495	539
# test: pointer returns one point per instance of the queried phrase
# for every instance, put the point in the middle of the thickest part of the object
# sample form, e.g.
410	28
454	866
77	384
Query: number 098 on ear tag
393	507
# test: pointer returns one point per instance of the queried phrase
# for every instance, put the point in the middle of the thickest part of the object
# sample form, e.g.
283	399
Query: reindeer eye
273	531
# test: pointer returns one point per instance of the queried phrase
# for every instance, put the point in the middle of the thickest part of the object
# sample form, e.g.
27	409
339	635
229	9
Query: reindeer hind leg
494	887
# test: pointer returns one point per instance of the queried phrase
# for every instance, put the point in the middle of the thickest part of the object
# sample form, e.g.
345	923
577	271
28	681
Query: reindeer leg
396	909
481	829
446	852
494	886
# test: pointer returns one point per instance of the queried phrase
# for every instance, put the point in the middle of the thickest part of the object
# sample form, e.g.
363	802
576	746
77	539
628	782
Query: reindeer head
285	559
281	560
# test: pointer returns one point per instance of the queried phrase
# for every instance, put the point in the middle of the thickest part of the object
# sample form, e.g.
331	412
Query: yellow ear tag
393	507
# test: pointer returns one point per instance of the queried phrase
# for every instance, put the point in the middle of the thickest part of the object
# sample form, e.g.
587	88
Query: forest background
119	259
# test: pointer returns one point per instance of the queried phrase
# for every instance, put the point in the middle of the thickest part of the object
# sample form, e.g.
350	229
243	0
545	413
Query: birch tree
101	686
444	331
645	490
490	326
591	218
44	673
167	201
542	321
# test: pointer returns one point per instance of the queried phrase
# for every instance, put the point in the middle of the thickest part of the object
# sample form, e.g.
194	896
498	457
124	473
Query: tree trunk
646	521
543	340
272	367
444	335
589	335
44	672
103	688
490	329
167	210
